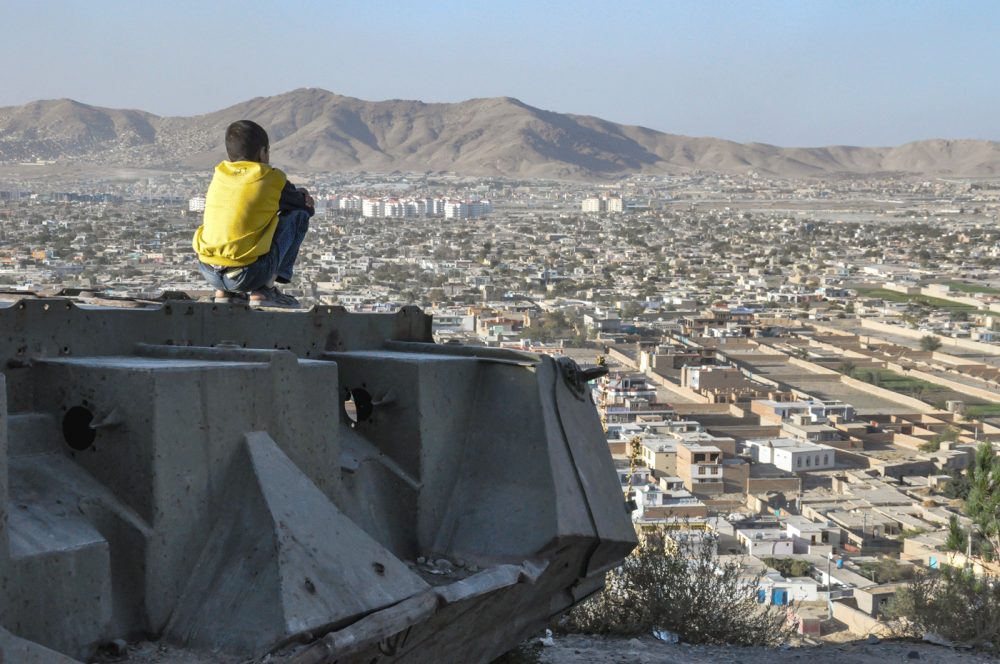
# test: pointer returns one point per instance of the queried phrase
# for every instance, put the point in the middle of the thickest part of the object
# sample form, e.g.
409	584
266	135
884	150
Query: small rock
436	571
913	654
445	564
421	560
637	644
473	568
459	563
116	648
873	640
410	563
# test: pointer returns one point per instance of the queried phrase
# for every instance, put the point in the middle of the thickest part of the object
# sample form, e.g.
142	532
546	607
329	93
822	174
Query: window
701	470
798	462
826	459
817	459
808	459
715	471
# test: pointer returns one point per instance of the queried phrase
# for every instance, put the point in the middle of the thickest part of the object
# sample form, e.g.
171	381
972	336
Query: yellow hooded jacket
241	213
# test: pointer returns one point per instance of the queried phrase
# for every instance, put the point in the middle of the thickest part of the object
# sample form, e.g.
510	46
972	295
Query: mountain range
315	130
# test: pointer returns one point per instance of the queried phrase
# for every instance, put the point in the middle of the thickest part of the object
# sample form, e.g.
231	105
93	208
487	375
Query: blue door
761	596
932	562
779	598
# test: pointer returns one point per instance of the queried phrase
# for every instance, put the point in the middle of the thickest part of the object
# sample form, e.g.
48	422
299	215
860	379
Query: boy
254	223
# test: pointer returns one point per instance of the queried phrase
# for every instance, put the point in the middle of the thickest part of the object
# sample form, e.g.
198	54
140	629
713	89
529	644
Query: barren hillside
317	130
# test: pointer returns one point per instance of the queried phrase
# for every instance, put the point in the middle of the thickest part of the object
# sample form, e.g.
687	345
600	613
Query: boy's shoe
229	297
272	298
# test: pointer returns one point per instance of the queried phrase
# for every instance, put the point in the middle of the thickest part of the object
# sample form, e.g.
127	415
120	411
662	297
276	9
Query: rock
937	639
421	560
873	640
444	564
459	563
913	654
473	568
116	648
666	635
637	644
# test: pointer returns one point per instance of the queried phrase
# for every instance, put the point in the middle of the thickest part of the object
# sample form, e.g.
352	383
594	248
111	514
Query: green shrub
788	566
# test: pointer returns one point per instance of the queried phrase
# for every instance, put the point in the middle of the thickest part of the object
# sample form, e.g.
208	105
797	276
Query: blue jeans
279	260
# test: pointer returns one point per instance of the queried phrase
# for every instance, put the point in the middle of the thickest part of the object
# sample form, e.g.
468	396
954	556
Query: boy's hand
310	202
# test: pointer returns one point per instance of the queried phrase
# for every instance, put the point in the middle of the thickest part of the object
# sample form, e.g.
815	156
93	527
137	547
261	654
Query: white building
792	454
467	209
762	542
593	204
351	203
196	204
479	208
615	204
372	207
456	210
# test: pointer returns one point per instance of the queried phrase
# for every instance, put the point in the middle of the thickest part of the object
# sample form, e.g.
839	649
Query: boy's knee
299	219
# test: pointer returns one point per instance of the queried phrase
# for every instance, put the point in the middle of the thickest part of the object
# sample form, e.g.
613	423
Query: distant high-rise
196	204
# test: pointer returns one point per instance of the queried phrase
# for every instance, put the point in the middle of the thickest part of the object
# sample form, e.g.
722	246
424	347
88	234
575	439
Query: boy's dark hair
244	140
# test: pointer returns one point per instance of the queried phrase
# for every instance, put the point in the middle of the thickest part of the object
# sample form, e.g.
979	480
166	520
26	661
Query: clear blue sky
792	72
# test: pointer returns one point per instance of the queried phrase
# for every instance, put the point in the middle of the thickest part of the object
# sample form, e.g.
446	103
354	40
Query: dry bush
682	586
954	603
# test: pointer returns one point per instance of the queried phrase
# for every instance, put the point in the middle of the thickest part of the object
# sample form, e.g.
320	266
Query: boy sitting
254	223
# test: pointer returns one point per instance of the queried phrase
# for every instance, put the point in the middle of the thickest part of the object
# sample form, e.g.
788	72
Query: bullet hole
359	405
76	428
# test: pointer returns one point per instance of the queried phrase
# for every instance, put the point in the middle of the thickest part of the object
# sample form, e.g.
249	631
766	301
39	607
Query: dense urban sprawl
803	369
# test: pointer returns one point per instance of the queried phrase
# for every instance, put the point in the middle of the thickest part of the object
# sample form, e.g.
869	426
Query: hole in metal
359	405
76	428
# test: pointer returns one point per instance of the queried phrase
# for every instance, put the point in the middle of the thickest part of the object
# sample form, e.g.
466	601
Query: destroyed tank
250	482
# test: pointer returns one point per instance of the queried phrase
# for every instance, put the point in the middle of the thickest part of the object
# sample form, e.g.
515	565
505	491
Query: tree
886	570
956	536
788	566
930	343
678	584
958	486
846	368
983	503
632	309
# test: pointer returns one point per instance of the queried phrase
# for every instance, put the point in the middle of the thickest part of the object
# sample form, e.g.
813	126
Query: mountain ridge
317	130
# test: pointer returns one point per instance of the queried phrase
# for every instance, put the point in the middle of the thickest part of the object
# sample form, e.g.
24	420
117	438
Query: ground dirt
576	649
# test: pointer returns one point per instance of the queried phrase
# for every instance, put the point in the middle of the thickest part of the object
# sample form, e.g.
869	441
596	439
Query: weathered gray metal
188	471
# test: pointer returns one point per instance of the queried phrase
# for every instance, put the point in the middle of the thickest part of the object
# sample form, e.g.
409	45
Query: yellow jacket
241	212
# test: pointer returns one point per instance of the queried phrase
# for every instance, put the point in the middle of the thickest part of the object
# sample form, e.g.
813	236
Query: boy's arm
293	199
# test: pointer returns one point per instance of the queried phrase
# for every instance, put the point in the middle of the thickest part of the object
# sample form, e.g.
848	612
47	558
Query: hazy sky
793	73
